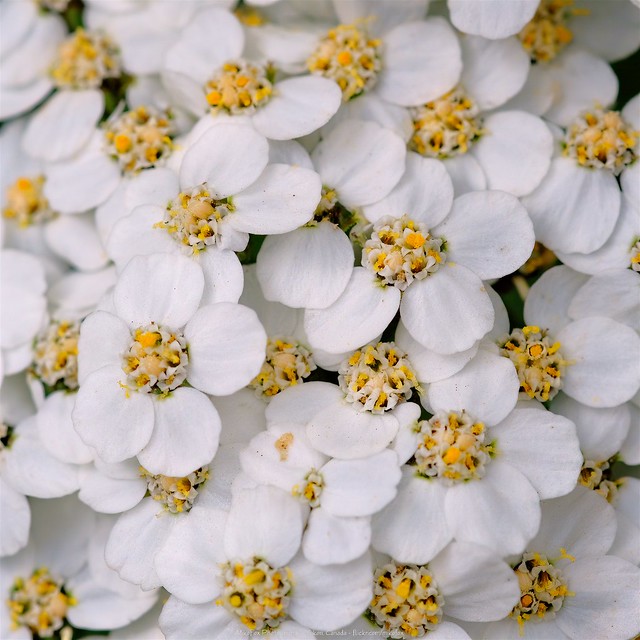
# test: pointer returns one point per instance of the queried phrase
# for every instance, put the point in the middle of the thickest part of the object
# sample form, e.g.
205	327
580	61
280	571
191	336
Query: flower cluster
319	318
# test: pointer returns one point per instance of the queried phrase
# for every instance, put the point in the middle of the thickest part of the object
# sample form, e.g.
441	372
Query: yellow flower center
446	127
240	87
452	447
597	476
538	361
26	203
543	589
139	139
406	601
600	139
156	360
249	16
287	363
39	603
349	56
256	593
377	378
401	250
635	256
55	355
176	495
85	59
311	489
547	34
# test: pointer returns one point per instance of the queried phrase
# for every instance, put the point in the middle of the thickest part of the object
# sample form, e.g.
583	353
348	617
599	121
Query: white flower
569	587
201	74
493	19
477	460
231	575
133	364
597	147
226	189
428	259
359	163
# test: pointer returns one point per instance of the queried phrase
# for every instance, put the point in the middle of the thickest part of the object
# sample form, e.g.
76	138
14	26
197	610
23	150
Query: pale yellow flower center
635	256
176	495
55	355
26	203
311	490
596	475
240	87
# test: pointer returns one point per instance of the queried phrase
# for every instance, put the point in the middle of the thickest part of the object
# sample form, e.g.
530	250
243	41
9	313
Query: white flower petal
491	18
188	562
76	240
264	522
298	107
106	494
17	100
413	527
362	161
487	388
223	276
343	590
306	268
425	193
226	348
542	446
63	125
162	288
422	61
466	174
182	621
185	436
228	157
574	209
116	422
332	540
488	232
515	153
302	402
604	356
283	198
448	311
14	534
361	313
503	495
360	487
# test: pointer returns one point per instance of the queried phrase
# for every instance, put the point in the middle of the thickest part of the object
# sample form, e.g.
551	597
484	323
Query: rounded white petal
182	621
448	311
487	388
63	125
604	356
491	18
466	174
515	152
226	348
162	288
14	534
361	313
223	276
116	422
76	240
488	232
306	268
574	209
264	522
283	198
302	402
106	494
185	436
422	61
361	160
298	107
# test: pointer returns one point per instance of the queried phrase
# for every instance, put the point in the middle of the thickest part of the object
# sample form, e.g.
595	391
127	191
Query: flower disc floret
85	60
401	251
39	603
55	355
446	127
176	495
6	437
547	34
600	139
139	139
194	219
377	378
256	593
635	256
406	601
287	363
543	589
598	477
349	56
156	360
311	490
452	447
538	361
26	203
240	87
